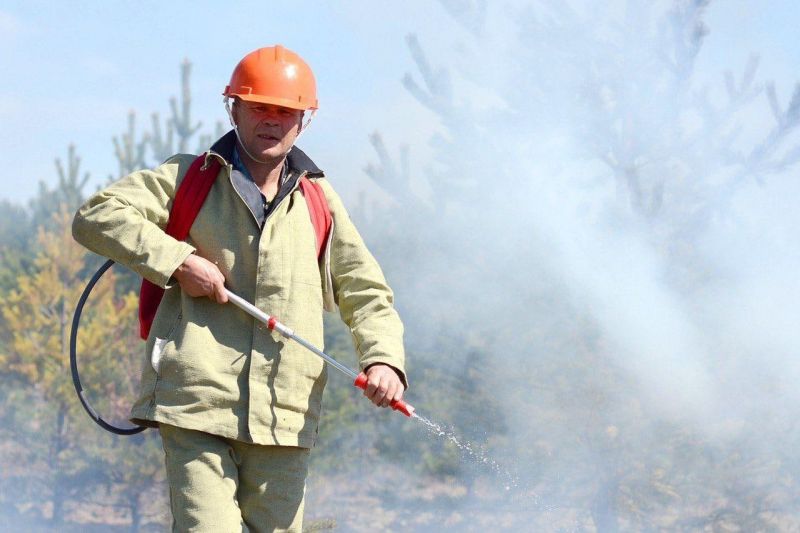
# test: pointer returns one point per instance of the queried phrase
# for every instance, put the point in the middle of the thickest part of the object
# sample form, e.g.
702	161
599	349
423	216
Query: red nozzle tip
403	407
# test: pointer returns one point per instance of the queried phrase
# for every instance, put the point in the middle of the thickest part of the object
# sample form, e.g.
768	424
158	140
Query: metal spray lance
360	380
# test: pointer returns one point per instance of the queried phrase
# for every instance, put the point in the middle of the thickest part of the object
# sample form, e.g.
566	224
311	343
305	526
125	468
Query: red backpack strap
191	195
318	210
189	198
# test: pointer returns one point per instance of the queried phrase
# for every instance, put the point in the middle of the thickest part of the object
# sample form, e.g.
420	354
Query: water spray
359	380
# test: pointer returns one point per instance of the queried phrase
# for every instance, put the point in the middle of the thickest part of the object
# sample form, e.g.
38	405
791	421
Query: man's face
267	131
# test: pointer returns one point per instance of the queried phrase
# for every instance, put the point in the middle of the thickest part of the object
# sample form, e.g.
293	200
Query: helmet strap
307	124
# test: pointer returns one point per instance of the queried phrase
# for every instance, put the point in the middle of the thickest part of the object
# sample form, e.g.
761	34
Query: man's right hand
201	277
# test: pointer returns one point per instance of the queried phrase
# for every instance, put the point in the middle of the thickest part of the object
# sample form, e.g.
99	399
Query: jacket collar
297	160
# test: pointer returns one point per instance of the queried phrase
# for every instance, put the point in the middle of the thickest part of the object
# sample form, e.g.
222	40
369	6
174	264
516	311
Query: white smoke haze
596	259
617	232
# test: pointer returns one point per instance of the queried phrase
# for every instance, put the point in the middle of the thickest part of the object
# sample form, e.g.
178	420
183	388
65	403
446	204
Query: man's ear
234	112
229	111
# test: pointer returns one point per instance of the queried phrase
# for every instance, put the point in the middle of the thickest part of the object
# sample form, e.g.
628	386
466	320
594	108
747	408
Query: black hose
73	359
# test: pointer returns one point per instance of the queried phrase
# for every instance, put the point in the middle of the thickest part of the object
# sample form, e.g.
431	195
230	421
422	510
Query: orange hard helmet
274	75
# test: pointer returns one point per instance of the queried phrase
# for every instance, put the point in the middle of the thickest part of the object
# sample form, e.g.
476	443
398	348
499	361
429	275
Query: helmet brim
283	102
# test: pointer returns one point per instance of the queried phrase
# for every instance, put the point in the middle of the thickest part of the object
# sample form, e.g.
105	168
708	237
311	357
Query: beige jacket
218	370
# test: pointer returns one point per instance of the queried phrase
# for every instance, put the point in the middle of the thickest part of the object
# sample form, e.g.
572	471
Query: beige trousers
223	485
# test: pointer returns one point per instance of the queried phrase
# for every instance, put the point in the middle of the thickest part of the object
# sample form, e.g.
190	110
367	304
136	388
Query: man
237	406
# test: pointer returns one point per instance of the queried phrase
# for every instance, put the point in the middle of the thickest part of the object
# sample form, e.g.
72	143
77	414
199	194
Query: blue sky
73	71
77	72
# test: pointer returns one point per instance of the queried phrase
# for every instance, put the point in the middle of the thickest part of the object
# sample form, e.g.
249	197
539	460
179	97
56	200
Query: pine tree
58	437
42	273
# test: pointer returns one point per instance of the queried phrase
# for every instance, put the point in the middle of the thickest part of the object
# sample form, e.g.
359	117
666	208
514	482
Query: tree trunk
57	446
136	513
604	512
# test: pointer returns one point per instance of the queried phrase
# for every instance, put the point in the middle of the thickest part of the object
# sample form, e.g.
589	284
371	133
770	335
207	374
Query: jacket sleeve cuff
162	259
388	361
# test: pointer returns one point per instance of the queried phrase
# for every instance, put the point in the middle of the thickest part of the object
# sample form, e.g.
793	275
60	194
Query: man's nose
270	119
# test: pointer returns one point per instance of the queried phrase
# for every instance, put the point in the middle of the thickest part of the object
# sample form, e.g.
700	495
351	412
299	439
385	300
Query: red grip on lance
397	405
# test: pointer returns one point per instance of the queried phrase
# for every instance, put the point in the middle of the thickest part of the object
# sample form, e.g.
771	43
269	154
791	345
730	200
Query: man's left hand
383	385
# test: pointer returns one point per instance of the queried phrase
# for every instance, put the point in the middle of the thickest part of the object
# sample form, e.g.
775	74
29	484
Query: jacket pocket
158	346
